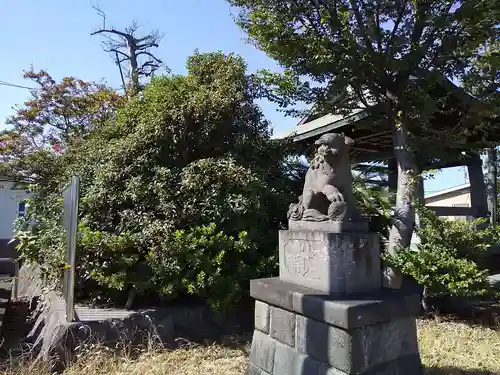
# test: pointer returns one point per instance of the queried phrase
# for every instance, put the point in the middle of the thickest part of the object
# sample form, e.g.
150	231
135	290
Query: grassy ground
446	347
456	348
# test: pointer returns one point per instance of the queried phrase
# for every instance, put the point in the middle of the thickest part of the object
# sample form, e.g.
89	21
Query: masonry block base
300	331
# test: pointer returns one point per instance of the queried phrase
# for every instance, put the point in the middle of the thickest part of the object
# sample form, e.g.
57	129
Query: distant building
12	205
458	196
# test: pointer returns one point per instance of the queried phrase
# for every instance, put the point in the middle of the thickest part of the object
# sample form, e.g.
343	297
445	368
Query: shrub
40	238
441	271
467	239
446	260
182	192
208	261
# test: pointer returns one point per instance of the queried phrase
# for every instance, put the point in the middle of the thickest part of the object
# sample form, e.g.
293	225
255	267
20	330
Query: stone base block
303	332
335	263
289	361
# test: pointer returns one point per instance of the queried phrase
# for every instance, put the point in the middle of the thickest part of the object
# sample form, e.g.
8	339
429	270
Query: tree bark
392	180
419	188
491	184
130	299
404	216
134	74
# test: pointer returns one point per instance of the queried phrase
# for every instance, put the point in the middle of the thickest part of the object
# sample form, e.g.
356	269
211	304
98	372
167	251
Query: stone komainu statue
327	193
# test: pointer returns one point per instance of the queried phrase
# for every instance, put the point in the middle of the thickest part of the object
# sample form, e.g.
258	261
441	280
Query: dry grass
188	361
447	347
455	348
195	360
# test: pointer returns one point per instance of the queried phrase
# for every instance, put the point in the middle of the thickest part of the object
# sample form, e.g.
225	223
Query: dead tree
130	51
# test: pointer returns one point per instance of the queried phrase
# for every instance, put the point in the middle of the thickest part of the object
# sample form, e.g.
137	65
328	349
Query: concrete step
495	281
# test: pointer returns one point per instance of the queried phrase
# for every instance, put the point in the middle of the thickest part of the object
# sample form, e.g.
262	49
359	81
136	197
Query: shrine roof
451	133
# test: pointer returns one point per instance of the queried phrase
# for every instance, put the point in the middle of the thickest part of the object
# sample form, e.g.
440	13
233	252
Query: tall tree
130	50
365	52
56	115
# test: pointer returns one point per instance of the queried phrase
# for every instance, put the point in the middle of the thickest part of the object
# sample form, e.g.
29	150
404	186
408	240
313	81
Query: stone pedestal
327	312
334	263
299	331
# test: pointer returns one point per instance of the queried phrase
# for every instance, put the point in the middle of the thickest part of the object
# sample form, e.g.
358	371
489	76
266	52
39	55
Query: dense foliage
448	258
57	115
182	191
372	194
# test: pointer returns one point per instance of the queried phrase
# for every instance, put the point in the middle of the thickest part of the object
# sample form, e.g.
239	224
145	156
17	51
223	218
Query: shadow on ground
468	310
16	326
234	333
455	371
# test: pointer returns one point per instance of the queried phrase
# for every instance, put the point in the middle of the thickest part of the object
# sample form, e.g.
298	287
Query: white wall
460	198
9	200
450	200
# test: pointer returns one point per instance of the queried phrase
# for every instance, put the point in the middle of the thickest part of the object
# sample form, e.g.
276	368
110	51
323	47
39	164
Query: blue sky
55	35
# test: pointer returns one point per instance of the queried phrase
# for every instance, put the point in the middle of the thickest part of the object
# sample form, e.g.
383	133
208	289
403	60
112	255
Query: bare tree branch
110	39
378	28
361	25
120	61
130	48
150	55
115	50
148	37
394	31
150	64
146	45
419	48
112	31
100	12
132	28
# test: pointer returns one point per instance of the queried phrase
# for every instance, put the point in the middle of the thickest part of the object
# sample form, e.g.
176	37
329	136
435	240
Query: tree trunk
130	299
392	180
134	74
491	184
426	307
404	217
420	189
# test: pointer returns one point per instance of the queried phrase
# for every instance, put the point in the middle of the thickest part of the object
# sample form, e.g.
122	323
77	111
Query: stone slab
262	352
407	365
384	343
359	350
349	312
335	263
324	342
254	370
289	361
262	316
494	281
329	226
283	326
